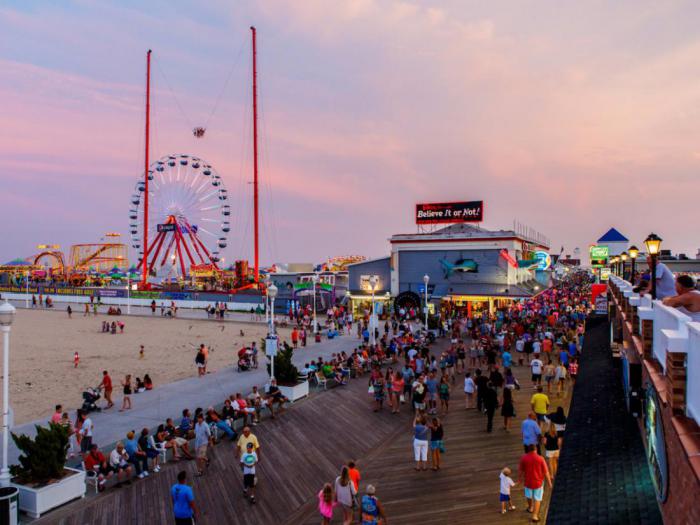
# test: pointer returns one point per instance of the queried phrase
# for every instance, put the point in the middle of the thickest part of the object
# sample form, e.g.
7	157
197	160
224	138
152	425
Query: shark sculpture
462	265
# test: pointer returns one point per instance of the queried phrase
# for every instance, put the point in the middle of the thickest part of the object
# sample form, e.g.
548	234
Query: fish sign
461	266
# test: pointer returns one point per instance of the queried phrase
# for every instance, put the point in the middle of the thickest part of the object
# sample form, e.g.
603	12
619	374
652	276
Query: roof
464	231
369	261
612	235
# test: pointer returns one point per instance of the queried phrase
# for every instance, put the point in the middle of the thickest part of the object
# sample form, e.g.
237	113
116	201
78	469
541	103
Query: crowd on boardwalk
544	334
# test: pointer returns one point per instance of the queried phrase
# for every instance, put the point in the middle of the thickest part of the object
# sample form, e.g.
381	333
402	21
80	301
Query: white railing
692	394
670	332
673	332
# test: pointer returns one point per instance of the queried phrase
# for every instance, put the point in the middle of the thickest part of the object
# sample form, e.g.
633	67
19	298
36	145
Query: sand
43	342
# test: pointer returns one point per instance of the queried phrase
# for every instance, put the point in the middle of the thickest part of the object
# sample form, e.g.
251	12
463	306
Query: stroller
90	398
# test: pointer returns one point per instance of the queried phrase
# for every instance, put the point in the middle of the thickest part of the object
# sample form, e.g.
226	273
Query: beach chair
321	380
160	448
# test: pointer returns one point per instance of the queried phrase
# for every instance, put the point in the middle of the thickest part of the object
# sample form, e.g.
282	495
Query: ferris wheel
188	215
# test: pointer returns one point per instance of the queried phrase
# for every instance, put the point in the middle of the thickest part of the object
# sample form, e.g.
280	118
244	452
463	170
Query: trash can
9	505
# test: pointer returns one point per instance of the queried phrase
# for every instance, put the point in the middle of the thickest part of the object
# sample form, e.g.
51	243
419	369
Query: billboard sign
599	255
449	212
166	228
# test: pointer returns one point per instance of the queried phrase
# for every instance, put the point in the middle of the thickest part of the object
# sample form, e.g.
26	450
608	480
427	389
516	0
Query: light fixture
7	313
272	291
633	252
426	278
623	256
653	244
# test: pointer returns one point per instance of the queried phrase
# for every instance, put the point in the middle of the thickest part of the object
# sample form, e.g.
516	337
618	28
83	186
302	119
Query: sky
569	117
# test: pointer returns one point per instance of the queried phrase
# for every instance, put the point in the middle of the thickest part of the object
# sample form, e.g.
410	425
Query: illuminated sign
449	212
166	228
544	260
366	286
599	255
605	274
656	444
508	257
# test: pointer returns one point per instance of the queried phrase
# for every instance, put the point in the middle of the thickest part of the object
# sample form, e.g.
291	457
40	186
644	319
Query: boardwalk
306	447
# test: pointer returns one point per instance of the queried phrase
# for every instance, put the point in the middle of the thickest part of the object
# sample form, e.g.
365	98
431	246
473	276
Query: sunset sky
570	117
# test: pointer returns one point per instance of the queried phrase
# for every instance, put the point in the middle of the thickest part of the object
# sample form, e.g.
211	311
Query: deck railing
675	343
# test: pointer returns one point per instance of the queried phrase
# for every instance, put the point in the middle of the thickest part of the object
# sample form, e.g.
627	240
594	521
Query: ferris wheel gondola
187	215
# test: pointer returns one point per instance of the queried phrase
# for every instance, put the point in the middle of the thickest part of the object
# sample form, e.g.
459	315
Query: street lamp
7	315
623	258
266	280
426	280
272	293
128	294
372	284
314	279
613	263
634	252
653	244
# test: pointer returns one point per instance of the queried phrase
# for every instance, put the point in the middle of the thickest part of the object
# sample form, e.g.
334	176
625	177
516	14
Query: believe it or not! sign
449	212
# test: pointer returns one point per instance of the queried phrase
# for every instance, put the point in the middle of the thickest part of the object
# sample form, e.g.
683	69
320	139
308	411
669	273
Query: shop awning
522	290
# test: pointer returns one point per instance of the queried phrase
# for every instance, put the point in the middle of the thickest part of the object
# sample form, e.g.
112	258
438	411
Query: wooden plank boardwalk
306	447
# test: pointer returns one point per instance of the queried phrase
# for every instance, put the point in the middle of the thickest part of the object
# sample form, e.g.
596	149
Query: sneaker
145	473
156	468
142	475
252	500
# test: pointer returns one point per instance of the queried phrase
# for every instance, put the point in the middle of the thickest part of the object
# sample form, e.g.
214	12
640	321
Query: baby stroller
90	398
243	360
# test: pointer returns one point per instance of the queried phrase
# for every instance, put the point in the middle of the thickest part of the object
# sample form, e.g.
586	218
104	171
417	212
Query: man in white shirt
86	433
202	434
536	368
665	282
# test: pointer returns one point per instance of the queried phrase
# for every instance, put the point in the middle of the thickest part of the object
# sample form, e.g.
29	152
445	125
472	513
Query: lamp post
623	258
128	295
314	280
272	293
373	284
26	300
653	244
426	280
267	300
613	262
7	315
633	251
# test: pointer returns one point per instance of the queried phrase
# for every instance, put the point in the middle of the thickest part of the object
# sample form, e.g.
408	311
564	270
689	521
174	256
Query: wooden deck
306	447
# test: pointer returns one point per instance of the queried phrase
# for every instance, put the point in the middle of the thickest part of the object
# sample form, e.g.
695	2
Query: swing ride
179	218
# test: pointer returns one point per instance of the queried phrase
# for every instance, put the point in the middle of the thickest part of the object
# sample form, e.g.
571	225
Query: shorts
541	417
549	379
248	481
503	497
551	453
536	378
432	396
180	441
437	445
535	494
202	452
420	450
419	406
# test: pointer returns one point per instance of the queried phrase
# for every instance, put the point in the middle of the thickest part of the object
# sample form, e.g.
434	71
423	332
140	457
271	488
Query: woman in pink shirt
326	503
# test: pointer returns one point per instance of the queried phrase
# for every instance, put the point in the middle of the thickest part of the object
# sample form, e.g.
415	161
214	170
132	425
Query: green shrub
44	457
285	371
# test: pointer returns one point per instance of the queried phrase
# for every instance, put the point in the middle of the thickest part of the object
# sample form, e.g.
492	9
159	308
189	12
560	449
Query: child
248	461
326	503
76	360
506	483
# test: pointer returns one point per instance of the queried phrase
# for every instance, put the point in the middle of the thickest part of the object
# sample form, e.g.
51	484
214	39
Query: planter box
40	500
295	392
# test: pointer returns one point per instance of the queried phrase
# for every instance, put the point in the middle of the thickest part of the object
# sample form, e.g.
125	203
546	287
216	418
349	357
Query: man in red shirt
532	472
96	462
107	385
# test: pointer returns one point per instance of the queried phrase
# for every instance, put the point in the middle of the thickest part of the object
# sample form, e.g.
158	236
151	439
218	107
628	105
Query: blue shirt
530	430
421	432
432	385
564	358
507	359
131	446
182	497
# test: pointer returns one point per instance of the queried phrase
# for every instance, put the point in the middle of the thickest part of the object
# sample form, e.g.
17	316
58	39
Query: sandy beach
43	342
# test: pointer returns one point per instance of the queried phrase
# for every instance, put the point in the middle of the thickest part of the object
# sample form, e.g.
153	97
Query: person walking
371	510
182	497
345	494
508	409
420	442
437	445
490	405
106	385
540	405
86	431
202	434
532	472
249	459
531	432
469	389
551	450
126	401
326	504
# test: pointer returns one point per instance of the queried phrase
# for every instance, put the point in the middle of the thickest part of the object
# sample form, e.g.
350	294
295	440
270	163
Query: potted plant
42	478
288	379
